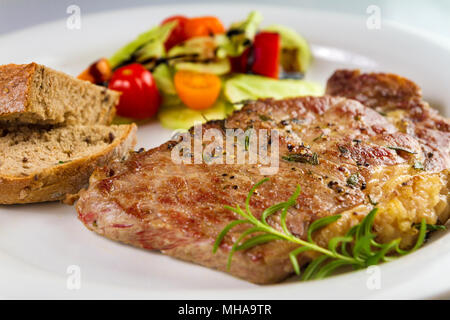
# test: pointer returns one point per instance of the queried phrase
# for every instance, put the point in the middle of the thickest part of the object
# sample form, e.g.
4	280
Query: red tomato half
140	97
178	34
266	54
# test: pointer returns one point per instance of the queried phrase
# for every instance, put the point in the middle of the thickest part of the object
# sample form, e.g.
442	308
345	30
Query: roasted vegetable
295	52
98	72
266	54
240	36
148	45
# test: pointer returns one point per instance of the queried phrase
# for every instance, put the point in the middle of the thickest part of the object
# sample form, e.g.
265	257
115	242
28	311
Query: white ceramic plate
39	242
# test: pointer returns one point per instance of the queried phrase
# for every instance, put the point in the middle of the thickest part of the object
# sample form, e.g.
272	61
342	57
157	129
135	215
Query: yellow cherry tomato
197	90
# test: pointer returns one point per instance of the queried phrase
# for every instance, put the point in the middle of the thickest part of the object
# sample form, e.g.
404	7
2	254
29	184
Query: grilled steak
344	155
401	101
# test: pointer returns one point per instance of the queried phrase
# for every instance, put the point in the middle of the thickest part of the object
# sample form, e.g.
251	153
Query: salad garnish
201	70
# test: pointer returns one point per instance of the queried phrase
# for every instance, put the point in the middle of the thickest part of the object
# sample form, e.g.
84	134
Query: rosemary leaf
422	234
432	227
256	240
320	223
334	242
318	137
326	269
312	159
313	266
224	232
293	257
396	148
263	117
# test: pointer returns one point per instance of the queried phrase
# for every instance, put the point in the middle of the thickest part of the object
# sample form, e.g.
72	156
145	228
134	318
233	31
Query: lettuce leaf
239	36
150	45
173	115
251	87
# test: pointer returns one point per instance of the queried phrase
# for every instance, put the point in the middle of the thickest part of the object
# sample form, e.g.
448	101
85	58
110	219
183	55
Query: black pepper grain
331	184
111	137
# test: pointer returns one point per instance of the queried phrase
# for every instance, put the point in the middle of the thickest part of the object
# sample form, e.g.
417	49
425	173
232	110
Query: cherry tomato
203	26
177	35
140	97
266	54
197	90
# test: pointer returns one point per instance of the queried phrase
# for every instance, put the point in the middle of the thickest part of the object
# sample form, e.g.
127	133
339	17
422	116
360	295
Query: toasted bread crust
15	84
35	94
54	183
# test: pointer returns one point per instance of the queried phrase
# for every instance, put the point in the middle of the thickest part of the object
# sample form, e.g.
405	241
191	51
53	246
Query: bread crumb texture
28	150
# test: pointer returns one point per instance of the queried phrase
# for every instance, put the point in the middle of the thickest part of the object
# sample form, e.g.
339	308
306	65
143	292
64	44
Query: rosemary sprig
357	248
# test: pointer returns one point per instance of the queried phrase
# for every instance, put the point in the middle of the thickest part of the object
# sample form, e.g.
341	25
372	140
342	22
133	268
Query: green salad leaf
164	79
240	35
250	87
219	67
149	44
154	48
173	114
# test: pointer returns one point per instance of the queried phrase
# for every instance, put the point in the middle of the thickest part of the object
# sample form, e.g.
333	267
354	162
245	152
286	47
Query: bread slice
35	94
40	164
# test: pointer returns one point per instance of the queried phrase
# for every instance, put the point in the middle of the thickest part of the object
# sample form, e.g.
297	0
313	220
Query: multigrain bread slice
38	164
35	94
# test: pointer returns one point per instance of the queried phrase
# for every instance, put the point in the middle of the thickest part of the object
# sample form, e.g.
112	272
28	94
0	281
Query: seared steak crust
389	94
150	202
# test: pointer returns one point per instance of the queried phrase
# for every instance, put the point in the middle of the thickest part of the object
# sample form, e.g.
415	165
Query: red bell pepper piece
266	54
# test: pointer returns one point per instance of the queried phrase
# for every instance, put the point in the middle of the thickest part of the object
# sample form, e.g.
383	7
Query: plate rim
142	293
